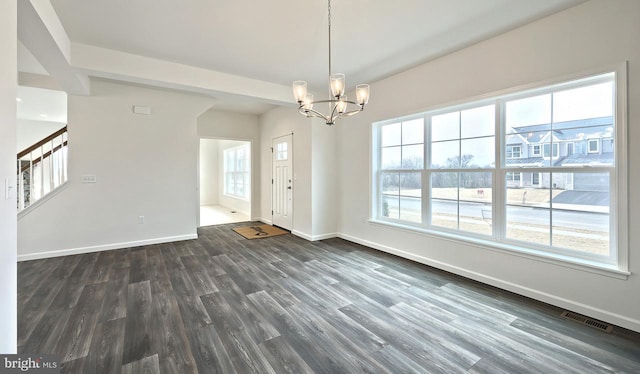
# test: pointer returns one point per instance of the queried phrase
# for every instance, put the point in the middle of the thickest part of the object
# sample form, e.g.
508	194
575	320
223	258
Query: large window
521	170
237	171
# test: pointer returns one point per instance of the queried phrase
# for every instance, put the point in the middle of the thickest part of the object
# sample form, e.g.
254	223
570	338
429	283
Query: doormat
262	231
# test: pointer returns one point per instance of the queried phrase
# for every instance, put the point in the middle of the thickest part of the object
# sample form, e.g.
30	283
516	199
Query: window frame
539	150
511	148
244	175
551	154
616	264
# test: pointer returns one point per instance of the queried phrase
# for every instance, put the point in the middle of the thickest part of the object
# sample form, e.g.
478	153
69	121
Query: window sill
514	250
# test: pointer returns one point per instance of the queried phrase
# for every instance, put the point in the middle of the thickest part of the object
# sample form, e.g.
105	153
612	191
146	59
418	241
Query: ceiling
37	104
280	41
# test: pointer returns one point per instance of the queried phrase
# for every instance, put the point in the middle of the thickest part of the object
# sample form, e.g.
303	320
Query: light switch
7	189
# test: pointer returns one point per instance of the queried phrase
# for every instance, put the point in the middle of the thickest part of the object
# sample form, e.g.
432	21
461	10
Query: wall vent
603	326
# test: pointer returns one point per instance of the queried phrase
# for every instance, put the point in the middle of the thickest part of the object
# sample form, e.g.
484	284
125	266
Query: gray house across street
586	142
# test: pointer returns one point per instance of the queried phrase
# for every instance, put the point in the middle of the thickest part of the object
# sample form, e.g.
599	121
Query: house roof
606	158
569	130
525	161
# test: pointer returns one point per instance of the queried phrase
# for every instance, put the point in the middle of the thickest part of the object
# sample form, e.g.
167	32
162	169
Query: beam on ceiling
40	30
117	65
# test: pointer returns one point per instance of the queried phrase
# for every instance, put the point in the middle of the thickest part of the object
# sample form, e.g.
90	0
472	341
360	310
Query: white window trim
512	148
533	150
226	193
619	195
552	147
513	174
596	142
573	148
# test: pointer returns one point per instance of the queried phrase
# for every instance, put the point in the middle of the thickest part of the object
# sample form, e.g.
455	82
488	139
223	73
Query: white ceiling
28	63
281	41
37	104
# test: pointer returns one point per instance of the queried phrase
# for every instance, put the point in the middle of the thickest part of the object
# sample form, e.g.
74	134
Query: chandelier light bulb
341	106
336	83
362	94
308	102
300	90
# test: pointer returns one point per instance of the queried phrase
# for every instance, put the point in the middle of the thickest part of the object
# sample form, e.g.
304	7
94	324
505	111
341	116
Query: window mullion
426	173
499	200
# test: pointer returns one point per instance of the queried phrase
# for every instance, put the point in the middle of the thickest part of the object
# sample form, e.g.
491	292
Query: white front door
282	182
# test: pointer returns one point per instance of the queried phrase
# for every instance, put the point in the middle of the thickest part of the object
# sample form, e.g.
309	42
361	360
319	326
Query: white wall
219	124
209	165
232	203
591	35
325	178
145	166
31	132
8	90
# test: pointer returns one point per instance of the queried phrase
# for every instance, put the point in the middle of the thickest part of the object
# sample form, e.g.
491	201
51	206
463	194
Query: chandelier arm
352	112
313	113
333	101
333	112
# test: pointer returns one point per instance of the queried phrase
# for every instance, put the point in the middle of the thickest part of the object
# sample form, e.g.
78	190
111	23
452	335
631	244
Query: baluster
66	158
51	167
20	184
32	183
41	172
59	162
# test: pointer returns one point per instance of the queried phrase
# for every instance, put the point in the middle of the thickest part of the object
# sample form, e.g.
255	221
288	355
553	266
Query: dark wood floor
224	304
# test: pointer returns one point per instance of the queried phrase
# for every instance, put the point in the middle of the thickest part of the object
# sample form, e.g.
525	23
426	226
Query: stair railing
42	167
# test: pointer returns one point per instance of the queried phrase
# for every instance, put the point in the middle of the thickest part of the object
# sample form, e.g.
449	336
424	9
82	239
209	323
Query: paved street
522	215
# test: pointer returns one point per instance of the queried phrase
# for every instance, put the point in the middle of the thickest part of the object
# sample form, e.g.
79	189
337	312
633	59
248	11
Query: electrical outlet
141	220
363	219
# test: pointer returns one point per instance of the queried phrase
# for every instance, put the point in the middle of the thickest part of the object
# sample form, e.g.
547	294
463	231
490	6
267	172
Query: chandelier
339	105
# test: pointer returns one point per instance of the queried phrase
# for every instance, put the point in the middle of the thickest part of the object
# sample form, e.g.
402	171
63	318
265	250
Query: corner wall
144	165
8	151
588	36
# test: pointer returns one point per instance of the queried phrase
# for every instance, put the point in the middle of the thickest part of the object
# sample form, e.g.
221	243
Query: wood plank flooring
224	304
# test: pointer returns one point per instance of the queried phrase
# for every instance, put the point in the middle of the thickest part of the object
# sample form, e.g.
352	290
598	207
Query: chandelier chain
329	17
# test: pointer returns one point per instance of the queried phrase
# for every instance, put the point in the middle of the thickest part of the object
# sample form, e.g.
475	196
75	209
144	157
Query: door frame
292	177
253	180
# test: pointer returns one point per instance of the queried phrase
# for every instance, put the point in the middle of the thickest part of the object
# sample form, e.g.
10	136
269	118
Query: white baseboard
313	238
105	247
324	236
616	319
301	234
263	220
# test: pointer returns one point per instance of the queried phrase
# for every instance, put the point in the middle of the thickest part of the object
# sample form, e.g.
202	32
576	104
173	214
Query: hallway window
237	171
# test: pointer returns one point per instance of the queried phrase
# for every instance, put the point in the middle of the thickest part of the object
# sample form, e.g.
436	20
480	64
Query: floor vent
233	211
587	321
